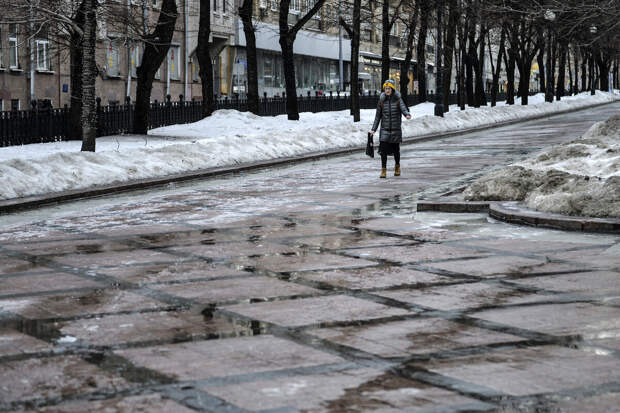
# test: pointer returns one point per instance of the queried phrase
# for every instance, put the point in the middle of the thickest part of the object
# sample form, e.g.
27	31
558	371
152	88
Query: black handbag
370	150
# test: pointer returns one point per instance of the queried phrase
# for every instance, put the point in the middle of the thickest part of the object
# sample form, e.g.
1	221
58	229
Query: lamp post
438	71
549	17
593	31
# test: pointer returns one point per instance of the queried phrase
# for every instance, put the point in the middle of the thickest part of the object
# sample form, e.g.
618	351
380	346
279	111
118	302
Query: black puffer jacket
389	112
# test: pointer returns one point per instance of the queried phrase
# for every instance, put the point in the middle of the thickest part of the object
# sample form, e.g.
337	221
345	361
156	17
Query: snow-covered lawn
581	177
230	137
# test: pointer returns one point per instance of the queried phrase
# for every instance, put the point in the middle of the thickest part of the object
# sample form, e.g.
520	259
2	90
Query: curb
516	213
31	202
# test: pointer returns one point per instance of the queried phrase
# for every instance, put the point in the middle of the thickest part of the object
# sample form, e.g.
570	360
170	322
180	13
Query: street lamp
593	31
549	17
438	72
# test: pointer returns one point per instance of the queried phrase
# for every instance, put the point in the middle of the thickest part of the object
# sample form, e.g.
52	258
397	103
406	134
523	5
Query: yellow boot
397	170
383	173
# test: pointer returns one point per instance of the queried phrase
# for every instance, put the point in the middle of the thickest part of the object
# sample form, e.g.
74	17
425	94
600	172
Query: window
295	6
195	70
268	71
262	4
112	59
13	45
14	104
215	2
275	5
394	30
43	55
173	63
1	105
1	56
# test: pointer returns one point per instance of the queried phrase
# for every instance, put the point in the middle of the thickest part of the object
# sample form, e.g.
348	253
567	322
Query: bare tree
204	58
353	31
421	49
411	25
245	12
156	48
287	39
89	74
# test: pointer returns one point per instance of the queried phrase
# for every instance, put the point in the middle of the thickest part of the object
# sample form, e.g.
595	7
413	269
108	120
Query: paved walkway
314	287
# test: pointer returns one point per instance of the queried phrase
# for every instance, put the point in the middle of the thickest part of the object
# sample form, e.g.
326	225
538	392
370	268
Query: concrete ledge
453	206
516	213
18	204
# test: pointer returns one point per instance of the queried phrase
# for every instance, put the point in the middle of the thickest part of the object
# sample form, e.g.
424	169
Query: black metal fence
45	124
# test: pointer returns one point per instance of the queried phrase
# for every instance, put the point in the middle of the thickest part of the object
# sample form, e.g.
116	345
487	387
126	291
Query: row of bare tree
581	36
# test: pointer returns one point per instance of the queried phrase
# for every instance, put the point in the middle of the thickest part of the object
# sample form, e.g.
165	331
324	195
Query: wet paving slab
302	288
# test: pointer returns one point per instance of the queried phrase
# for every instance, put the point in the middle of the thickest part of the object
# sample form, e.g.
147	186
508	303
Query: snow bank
581	177
228	137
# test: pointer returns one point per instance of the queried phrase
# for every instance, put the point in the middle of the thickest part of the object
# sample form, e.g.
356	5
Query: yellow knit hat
389	83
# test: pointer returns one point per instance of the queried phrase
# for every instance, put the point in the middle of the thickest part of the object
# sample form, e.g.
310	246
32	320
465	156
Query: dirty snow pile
229	138
581	177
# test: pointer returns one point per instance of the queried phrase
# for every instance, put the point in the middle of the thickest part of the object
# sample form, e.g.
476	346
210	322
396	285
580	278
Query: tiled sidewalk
290	290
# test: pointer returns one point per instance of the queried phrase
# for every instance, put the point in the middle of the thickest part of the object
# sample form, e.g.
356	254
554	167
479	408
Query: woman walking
389	112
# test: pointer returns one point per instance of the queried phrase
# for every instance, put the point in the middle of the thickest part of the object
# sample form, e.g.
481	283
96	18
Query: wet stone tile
235	289
526	245
533	370
227	357
13	342
53	377
152	403
9	265
207	236
33	233
132	230
415	253
355	240
374	277
302	262
601	403
463	296
131	257
340	391
408	226
489	267
606	257
583	319
293	229
33	283
69	246
309	311
67	305
588	283
409	337
220	251
162	326
170	272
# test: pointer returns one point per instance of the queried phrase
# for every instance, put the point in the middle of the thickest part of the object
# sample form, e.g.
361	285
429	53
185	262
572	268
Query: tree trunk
561	71
571	85
156	45
480	95
89	76
385	41
576	67
75	111
287	38
245	12
421	51
603	61
406	64
510	62
355	50
540	59
449	52
549	68
498	69
524	80
205	61
584	73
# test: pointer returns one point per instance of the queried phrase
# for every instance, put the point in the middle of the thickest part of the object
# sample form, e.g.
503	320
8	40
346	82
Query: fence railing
46	124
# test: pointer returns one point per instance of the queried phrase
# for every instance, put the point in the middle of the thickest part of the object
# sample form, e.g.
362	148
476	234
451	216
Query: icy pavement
315	287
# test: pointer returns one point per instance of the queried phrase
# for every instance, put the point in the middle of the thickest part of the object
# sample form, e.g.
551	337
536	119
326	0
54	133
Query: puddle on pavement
481	225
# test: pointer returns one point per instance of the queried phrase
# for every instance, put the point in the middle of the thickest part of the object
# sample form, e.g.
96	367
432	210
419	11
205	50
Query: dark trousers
393	149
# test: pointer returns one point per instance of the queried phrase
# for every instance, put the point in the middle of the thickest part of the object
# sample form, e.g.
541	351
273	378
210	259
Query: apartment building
118	55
